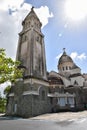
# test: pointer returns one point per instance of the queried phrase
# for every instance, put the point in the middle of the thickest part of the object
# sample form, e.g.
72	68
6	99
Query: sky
64	25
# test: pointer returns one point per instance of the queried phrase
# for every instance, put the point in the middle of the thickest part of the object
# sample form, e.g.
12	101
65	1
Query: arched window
66	68
75	82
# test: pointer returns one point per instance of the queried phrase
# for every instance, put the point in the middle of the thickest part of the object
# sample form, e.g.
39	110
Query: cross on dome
64	49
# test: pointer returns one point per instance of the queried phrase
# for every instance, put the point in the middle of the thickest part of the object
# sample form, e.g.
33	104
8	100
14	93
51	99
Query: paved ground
56	121
62	116
25	124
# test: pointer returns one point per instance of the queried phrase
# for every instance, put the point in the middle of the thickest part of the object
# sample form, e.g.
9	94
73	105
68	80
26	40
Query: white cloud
82	56
43	14
10	4
75	55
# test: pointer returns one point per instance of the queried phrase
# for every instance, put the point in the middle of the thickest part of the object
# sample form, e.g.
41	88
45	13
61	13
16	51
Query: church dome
65	58
65	64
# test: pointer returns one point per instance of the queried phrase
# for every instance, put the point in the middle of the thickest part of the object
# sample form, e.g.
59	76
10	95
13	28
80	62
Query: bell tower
31	48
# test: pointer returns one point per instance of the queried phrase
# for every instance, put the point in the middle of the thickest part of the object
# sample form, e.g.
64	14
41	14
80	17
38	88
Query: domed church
66	66
39	91
68	85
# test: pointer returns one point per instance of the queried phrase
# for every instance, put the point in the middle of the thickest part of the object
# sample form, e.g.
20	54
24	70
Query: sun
76	9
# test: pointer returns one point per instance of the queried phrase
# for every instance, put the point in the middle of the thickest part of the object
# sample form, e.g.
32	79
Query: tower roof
65	58
32	14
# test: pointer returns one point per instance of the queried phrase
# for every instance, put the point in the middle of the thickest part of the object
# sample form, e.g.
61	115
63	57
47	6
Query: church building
39	91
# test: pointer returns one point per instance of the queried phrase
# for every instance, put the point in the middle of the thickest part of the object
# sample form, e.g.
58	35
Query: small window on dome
66	68
75	83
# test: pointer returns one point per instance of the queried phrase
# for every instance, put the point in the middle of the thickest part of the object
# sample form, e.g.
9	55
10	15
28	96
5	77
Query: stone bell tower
31	48
29	96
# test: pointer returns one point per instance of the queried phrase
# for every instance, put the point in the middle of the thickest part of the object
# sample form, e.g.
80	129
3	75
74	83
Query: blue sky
62	32
64	26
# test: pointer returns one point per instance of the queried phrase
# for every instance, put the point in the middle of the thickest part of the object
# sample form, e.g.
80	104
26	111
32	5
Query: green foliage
2	104
8	68
7	90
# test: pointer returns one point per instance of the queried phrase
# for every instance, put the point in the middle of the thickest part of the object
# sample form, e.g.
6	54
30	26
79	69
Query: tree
2	104
7	90
9	70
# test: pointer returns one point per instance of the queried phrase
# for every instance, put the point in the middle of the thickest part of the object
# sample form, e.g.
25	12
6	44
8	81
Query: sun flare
76	9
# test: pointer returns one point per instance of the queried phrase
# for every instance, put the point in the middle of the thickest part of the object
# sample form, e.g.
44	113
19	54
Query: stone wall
40	106
27	100
78	91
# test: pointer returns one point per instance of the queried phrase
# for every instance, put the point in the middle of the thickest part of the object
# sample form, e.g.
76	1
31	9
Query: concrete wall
78	91
78	79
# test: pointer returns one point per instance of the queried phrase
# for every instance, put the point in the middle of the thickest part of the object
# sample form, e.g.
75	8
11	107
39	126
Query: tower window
63	68
24	38
29	24
37	38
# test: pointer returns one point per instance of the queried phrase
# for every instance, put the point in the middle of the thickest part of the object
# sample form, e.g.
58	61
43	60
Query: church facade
39	91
